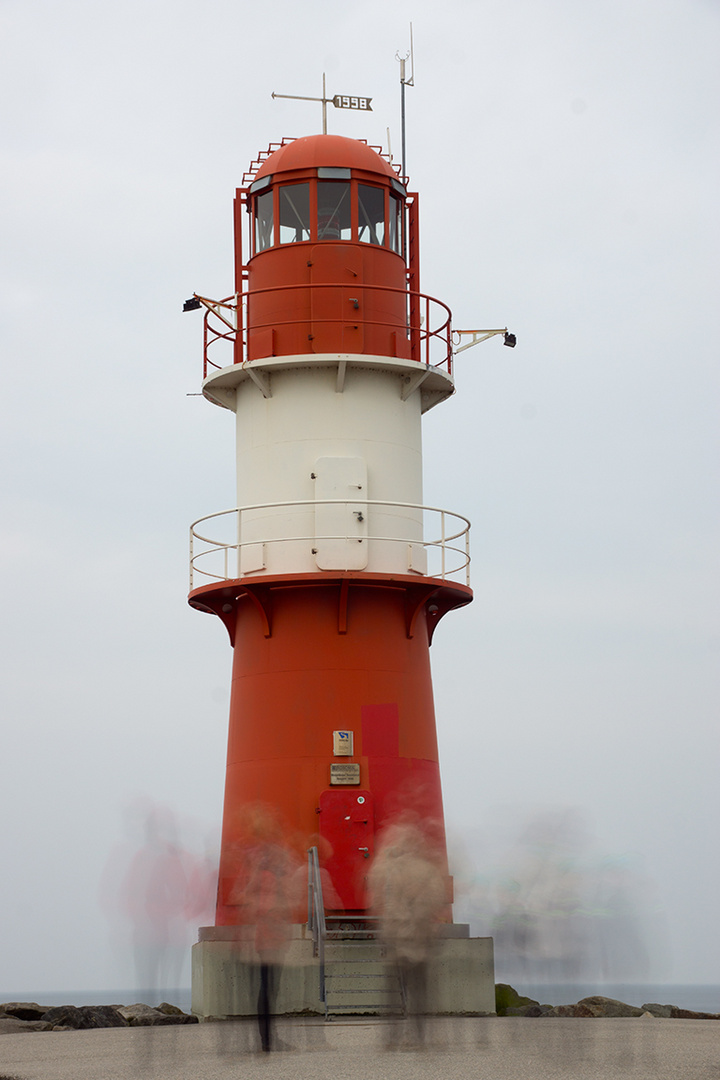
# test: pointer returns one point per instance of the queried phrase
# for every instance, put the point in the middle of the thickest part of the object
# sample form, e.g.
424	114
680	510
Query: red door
347	823
337	310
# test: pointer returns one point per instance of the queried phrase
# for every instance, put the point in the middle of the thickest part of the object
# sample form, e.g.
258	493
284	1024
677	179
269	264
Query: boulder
65	1017
169	1010
179	1016
567	1010
604	1006
506	997
687	1014
103	1016
663	1012
23	1010
140	1015
10	1025
529	1010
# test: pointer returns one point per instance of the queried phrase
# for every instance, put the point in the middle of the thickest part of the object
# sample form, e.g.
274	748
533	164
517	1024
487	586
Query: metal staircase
356	978
359	981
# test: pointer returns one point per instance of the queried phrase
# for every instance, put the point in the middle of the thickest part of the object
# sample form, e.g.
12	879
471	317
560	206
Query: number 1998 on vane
343	102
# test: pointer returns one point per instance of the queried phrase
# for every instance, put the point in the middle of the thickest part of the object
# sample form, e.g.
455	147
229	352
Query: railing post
310	892
448	348
427	331
239	535
442	530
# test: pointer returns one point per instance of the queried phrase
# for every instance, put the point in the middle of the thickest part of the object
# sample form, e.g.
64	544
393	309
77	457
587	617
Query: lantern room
327	226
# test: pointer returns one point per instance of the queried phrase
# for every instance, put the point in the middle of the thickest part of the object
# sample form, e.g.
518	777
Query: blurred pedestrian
267	891
408	894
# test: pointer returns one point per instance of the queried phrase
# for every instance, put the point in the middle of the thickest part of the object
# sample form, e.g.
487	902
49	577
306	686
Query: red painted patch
380	731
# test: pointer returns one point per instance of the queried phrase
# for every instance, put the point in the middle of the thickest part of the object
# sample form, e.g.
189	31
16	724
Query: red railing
428	326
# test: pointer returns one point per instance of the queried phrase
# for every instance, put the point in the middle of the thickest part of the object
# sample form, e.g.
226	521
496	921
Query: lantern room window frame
274	212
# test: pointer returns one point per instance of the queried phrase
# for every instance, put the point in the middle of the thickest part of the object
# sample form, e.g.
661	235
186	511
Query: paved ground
510	1048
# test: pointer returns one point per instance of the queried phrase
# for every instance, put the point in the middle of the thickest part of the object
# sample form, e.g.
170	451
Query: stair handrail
316	914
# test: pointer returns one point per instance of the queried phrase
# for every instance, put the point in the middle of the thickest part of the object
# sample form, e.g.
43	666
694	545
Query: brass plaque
343	743
345	774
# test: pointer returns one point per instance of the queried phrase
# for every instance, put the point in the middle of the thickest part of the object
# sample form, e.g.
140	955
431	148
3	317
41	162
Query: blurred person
153	897
543	925
202	887
142	891
267	889
408	894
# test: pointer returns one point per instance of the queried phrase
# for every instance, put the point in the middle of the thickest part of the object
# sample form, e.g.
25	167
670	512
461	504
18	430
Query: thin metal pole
402	115
324	104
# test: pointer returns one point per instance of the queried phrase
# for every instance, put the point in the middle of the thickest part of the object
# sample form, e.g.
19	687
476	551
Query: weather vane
340	101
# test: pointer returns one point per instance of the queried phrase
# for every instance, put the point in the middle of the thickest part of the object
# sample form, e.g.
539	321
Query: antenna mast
403	83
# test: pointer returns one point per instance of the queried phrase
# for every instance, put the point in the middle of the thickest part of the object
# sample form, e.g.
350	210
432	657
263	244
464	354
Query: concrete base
225	976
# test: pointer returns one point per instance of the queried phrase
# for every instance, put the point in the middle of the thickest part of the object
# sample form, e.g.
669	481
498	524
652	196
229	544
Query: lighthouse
331	573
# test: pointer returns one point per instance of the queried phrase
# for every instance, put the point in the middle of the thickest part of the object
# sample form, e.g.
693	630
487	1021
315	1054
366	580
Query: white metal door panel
341	527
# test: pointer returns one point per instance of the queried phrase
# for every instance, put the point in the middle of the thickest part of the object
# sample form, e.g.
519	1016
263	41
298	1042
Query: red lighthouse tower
331	574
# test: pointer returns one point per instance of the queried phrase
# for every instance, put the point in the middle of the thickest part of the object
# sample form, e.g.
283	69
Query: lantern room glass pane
294	212
263	221
371	214
396	209
334	221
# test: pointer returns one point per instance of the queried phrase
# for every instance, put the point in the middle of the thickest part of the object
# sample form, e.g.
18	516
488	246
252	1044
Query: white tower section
329	461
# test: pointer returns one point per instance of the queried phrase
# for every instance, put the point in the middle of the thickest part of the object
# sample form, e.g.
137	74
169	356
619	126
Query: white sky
567	160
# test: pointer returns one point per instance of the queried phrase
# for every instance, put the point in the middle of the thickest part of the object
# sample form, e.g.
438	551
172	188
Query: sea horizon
697	997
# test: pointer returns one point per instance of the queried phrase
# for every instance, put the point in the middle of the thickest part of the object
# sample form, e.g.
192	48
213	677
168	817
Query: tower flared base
460	978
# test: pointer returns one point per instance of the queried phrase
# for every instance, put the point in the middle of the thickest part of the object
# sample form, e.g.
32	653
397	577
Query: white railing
217	558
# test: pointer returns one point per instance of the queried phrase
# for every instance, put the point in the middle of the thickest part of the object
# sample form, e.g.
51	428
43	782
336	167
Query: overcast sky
567	160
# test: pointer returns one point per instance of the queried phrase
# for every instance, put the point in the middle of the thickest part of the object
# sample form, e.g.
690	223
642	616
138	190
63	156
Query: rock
509	1003
66	1017
169	1010
23	1010
10	1025
507	998
603	1006
563	1010
529	1010
140	1015
687	1014
104	1015
661	1011
179	1016
595	1007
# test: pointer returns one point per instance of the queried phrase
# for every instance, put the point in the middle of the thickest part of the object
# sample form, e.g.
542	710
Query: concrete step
358	969
353	950
360	983
366	985
376	999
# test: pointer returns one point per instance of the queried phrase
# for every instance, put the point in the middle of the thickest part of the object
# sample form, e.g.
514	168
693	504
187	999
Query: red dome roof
325	151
